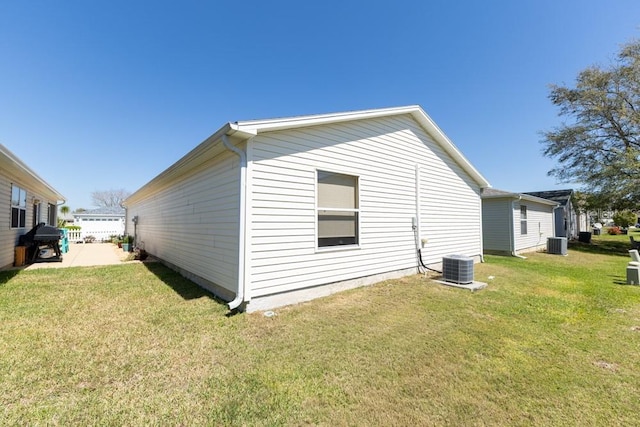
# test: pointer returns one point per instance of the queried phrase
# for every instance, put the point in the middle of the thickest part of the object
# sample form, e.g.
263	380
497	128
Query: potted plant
127	243
139	253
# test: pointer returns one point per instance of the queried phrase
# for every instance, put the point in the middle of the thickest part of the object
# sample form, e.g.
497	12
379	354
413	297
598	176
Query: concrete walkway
84	255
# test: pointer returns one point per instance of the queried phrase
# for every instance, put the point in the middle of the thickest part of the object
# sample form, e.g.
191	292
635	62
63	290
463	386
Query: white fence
74	236
79	236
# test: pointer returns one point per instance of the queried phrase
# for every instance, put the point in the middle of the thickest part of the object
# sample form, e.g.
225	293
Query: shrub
624	218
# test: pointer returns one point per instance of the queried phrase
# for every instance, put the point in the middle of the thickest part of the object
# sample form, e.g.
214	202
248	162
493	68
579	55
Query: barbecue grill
41	237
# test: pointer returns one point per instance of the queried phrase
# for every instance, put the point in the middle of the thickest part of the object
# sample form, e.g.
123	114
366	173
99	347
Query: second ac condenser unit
557	245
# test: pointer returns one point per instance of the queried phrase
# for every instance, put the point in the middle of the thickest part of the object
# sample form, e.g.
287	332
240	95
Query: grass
553	340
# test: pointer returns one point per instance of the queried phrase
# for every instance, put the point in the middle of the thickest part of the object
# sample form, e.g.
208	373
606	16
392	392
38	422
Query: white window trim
338	248
19	208
524	220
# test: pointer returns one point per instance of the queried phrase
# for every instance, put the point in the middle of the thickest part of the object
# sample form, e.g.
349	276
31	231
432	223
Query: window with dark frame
523	220
18	207
337	209
51	215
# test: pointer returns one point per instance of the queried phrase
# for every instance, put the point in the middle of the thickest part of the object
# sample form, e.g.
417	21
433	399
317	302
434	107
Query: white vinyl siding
497	230
383	154
193	223
539	225
8	234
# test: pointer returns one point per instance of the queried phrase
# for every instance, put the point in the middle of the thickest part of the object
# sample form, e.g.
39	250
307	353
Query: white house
101	223
568	221
516	223
272	212
30	201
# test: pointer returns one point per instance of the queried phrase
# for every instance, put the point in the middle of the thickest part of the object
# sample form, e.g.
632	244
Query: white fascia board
501	196
319	119
13	162
539	200
430	126
519	196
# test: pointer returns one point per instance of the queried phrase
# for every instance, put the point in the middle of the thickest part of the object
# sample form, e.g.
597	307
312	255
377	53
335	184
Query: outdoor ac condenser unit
557	245
457	269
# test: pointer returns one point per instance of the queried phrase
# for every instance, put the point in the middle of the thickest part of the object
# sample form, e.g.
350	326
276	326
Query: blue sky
117	91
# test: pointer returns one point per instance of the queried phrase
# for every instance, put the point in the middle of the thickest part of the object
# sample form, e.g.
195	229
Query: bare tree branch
109	198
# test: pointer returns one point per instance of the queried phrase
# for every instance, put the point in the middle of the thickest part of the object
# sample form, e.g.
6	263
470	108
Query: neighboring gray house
567	220
30	201
515	223
272	212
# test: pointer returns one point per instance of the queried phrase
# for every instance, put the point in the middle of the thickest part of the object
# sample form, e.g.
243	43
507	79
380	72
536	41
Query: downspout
512	231
241	231
481	254
416	221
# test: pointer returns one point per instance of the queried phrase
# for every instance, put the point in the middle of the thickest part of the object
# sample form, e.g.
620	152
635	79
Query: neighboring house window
337	209
18	207
523	220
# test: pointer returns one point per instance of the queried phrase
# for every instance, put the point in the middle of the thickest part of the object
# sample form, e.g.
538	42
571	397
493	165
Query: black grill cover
40	233
46	233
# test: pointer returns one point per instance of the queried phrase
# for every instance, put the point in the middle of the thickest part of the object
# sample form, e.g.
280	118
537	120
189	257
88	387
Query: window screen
338	209
18	207
523	220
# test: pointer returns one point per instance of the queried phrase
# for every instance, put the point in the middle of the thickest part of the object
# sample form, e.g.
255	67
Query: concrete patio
85	255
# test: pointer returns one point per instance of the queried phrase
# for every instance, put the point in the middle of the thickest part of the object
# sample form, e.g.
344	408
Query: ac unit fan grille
457	269
557	245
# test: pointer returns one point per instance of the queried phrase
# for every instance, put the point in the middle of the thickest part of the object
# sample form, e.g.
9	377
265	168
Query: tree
625	218
600	147
64	210
109	198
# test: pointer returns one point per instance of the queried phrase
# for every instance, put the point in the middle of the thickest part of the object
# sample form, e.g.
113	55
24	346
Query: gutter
199	153
25	172
240	293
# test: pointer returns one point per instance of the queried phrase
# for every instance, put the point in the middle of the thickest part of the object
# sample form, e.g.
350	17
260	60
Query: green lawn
552	341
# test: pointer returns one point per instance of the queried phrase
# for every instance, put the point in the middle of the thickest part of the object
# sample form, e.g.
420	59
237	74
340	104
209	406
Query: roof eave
184	162
433	129
521	196
247	129
25	170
